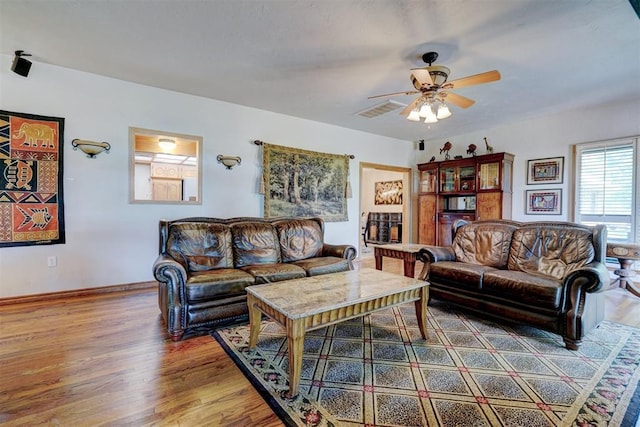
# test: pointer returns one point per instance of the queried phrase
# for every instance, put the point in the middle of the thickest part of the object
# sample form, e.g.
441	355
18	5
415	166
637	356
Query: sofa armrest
172	295
347	252
592	278
431	254
436	254
582	312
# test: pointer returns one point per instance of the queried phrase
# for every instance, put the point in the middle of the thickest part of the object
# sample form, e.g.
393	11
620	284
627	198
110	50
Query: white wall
550	136
110	241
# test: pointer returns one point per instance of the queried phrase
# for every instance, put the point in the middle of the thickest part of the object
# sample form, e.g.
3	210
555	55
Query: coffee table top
311	295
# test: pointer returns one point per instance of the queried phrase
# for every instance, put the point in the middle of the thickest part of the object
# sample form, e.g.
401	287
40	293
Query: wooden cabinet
168	181
427	203
458	176
166	189
427	219
445	222
474	188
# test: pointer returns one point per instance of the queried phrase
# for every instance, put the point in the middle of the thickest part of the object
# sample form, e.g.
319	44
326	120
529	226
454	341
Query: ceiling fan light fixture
425	110
443	111
431	117
414	115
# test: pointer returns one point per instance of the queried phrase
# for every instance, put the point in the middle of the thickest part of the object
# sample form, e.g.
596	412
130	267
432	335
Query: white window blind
606	182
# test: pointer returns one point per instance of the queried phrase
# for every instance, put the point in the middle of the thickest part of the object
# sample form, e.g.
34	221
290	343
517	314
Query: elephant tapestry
304	183
31	209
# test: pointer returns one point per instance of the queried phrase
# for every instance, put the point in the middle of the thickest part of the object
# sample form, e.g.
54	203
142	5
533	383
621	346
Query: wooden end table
302	305
626	254
407	252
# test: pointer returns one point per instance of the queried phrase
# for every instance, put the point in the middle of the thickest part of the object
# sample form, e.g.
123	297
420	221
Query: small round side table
626	254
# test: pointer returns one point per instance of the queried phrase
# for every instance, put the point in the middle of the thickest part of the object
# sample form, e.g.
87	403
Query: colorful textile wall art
304	183
31	204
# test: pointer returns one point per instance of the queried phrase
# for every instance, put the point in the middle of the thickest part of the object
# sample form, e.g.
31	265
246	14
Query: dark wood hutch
472	188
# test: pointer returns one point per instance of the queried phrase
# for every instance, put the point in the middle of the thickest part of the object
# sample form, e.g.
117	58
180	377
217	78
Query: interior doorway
379	187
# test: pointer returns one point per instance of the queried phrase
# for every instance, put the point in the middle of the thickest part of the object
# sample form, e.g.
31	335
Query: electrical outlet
52	261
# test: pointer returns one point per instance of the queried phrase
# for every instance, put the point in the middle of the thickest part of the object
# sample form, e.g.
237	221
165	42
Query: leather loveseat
548	274
205	264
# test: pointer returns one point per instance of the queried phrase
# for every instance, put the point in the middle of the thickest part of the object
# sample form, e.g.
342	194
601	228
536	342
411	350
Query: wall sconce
90	148
229	161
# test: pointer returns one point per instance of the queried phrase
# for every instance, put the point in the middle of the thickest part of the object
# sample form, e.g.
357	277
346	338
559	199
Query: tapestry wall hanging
304	183
31	208
388	192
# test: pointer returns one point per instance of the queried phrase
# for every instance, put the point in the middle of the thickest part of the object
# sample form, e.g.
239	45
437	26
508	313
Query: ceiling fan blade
458	100
476	79
411	106
421	77
409	92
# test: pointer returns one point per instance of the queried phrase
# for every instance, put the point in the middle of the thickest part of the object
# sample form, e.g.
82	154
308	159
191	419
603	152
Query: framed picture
545	171
544	202
388	193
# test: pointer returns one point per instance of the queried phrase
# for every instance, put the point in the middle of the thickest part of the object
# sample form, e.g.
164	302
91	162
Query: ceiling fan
432	85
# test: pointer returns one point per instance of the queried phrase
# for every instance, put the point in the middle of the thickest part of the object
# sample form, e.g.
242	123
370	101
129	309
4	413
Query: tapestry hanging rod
258	142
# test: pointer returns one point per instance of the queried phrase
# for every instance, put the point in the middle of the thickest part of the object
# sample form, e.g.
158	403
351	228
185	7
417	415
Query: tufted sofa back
484	242
299	239
551	249
201	244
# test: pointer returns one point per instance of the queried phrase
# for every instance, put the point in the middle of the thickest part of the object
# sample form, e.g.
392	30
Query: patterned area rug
377	371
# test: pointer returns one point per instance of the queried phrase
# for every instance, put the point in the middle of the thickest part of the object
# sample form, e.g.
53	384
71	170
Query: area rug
378	371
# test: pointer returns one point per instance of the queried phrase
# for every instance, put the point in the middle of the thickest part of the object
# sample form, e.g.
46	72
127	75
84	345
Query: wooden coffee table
407	252
310	303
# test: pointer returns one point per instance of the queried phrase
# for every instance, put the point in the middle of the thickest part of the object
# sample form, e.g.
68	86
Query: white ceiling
321	59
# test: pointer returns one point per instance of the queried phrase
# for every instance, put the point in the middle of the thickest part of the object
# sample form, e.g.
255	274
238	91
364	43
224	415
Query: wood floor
106	360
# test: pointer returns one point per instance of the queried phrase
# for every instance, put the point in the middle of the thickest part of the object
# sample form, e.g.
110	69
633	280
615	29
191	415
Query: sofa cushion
269	273
200	246
523	288
215	284
483	244
551	250
254	243
323	265
458	274
299	239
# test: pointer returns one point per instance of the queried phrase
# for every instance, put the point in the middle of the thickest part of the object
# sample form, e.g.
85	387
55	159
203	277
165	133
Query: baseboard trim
78	293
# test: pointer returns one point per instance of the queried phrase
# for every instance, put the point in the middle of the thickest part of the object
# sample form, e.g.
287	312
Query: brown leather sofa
205	264
548	274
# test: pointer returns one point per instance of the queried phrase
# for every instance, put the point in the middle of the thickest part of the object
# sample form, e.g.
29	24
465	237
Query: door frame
407	218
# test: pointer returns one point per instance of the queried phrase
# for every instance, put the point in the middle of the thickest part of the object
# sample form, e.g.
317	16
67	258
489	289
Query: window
606	187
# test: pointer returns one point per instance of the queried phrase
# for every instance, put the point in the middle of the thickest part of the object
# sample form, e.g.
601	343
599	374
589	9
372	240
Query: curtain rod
258	142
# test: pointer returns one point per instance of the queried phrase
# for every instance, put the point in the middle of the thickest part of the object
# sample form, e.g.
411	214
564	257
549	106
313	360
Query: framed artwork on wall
388	193
545	171
544	202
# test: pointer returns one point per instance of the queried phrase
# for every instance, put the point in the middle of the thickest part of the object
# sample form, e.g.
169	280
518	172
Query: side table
626	254
407	252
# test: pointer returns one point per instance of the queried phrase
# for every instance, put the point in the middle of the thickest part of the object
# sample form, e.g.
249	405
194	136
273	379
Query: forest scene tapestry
304	183
31	208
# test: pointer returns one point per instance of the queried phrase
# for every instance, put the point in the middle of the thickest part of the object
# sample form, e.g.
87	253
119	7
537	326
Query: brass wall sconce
90	148
229	161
